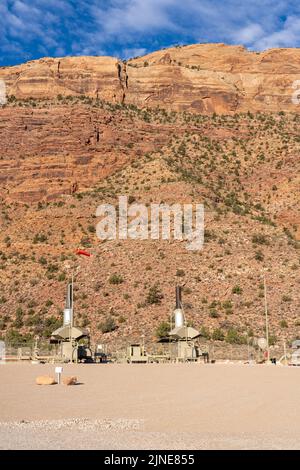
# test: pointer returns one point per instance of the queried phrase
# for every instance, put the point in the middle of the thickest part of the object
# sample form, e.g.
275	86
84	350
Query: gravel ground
182	406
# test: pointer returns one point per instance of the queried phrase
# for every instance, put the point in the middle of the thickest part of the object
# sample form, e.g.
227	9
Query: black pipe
178	296
69	296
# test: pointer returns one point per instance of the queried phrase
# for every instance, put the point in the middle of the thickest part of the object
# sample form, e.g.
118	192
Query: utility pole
72	313
267	321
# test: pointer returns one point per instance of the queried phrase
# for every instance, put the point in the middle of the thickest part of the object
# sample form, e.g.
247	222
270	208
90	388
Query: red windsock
82	252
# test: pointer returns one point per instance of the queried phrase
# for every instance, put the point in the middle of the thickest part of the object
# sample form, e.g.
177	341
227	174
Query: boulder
45	380
70	380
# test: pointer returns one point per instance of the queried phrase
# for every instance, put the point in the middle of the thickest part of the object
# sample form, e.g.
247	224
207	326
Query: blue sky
30	29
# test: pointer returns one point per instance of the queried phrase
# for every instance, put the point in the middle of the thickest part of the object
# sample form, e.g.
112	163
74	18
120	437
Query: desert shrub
154	295
107	325
52	323
162	330
259	256
180	273
116	279
227	304
15	338
233	337
218	335
205	332
237	290
40	238
18	323
52	268
34	320
213	313
91	228
85	321
85	242
272	340
259	239
283	324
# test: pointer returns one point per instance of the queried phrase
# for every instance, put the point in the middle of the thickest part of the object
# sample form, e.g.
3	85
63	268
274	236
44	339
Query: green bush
162	330
283	324
237	290
14	338
116	279
218	335
272	340
40	238
213	313
91	228
154	295
107	325
259	256
233	337
205	332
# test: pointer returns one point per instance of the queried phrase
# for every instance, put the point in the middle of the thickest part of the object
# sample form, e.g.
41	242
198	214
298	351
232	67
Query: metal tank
178	313
68	311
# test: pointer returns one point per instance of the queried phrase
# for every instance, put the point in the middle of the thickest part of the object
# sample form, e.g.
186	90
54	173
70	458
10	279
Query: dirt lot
167	406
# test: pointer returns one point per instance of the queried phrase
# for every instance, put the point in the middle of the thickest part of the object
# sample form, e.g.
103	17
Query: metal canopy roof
64	333
184	332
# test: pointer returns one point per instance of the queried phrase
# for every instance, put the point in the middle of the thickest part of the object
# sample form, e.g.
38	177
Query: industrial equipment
136	354
183	348
73	342
100	354
295	358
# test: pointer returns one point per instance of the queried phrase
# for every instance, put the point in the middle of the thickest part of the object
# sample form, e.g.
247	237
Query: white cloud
129	53
135	27
249	34
134	15
287	36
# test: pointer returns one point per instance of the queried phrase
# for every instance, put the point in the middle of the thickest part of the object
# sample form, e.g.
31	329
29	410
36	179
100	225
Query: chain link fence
217	350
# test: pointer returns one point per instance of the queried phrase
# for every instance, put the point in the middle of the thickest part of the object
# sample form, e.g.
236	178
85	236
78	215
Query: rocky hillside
244	168
78	132
203	78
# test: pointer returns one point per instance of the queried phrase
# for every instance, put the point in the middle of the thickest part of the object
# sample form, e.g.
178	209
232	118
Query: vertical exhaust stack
178	296
68	311
178	313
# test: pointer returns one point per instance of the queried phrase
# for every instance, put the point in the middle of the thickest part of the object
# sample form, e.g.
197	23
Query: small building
295	358
183	347
135	354
69	350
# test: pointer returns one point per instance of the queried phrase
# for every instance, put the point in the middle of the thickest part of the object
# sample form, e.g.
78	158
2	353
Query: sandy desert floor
166	406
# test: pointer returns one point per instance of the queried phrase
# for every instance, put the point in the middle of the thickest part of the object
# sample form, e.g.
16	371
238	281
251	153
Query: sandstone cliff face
202	78
99	77
62	149
215	78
